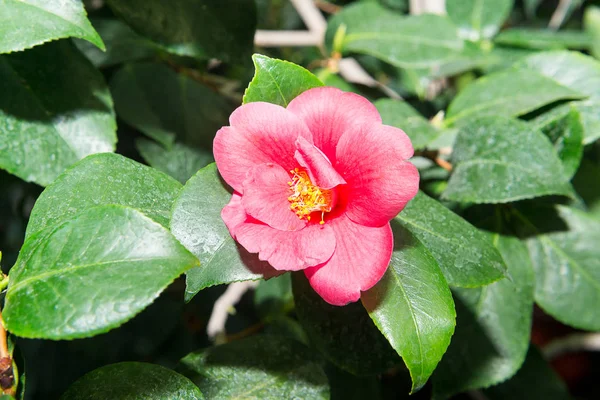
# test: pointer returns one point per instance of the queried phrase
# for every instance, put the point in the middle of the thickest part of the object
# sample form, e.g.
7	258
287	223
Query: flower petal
259	133
317	165
286	250
379	182
233	213
362	255
329	113
265	198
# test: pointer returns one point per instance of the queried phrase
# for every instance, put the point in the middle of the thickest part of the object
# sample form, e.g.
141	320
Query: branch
223	305
571	344
559	15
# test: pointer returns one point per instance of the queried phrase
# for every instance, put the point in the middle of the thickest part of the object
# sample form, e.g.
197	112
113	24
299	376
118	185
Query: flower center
307	198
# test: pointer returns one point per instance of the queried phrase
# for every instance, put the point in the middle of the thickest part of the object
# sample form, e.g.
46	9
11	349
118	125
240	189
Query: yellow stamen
307	198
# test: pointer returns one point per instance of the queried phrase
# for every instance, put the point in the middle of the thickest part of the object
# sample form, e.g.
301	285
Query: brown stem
7	378
443	163
246	332
435	157
3	340
327	6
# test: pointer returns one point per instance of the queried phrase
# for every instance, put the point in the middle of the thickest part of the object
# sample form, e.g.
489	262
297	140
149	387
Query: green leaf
258	367
91	273
585	183
493	326
478	19
591	23
133	381
277	81
345	386
535	380
197	224
464	254
54	110
122	44
345	335
404	41
508	93
274	298
401	115
544	39
566	133
588	111
222	29
500	160
180	161
531	6
45	21
412	306
570	69
163	104
567	264
104	179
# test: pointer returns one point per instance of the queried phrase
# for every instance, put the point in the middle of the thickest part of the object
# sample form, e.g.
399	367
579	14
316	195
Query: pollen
307	198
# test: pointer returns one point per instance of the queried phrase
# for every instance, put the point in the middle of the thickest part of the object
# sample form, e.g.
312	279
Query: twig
223	305
559	15
327	6
7	378
435	157
3	340
572	343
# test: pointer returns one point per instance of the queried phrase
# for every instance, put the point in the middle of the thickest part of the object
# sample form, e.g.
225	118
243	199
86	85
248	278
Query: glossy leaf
91	273
277	81
45	21
566	260
122	44
105	179
463	253
508	93
197	224
412	306
478	19
588	111
585	183
566	133
544	39
535	380
132	381
163	104
54	110
241	369
404	41
401	115
180	161
499	160
571	69
222	29
345	335
493	326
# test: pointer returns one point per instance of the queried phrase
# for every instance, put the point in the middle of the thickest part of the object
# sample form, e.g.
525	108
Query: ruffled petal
329	113
379	182
362	255
265	198
317	165
233	213
259	133
286	250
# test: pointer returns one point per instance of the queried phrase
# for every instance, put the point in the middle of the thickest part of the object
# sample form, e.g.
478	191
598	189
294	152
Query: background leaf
163	104
54	110
222	29
46	21
544	39
478	19
412	306
197	224
565	255
345	335
100	180
277	81
406	42
401	115
91	273
133	380
241	370
499	160
463	253
493	327
180	161
508	93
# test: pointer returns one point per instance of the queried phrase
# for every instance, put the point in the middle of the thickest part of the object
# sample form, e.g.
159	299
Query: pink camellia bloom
316	185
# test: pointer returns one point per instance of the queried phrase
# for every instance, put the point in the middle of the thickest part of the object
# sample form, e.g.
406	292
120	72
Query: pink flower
316	185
